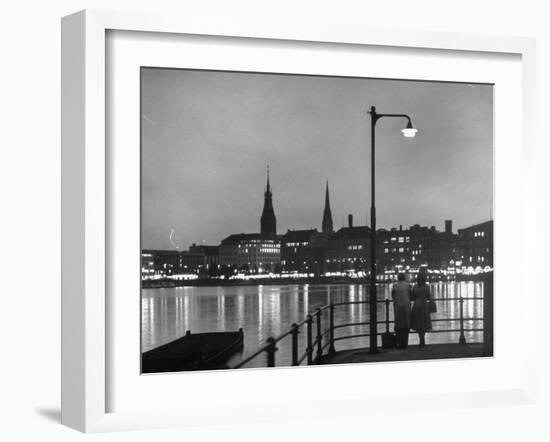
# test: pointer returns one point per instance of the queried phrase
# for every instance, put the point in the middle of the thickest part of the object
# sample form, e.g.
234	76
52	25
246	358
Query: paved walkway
412	353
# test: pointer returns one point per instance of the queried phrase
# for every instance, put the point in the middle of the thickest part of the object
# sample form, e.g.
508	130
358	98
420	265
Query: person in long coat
420	315
401	295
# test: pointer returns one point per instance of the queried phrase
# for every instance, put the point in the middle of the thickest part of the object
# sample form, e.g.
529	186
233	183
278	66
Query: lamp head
409	131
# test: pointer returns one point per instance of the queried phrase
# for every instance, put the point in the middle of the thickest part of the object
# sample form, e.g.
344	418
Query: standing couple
405	318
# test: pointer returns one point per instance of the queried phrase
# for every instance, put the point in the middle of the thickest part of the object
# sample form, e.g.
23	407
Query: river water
269	310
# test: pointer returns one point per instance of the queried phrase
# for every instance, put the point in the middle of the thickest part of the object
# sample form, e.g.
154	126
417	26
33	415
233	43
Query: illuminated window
401	239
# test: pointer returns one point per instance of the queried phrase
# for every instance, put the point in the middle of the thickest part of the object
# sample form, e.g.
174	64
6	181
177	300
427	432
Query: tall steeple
268	222
327	214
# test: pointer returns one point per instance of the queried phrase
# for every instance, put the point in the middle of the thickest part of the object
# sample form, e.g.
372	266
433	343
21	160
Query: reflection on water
264	311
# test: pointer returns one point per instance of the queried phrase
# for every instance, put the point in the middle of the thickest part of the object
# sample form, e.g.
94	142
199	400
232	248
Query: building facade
211	254
475	245
170	264
397	249
448	247
147	265
416	247
302	252
251	252
348	250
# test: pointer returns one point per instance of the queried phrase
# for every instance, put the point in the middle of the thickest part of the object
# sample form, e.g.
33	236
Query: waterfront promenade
411	353
321	335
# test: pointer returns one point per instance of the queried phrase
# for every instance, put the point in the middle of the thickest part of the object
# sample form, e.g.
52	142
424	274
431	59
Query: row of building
315	253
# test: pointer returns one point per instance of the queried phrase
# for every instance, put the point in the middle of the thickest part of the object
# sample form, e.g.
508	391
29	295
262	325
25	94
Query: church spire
268	222
327	214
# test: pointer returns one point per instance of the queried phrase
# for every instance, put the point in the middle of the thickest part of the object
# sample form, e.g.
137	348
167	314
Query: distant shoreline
286	281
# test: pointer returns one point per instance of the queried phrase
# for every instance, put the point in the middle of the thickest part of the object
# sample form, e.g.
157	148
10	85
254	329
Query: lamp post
408	132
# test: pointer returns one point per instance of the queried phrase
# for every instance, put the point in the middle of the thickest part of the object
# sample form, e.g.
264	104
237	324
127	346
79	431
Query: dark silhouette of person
420	314
401	295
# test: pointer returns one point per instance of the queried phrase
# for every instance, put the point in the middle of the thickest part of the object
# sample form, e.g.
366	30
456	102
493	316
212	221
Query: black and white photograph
297	220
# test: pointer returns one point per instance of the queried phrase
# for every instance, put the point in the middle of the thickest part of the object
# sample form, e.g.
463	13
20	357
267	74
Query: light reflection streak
261	335
153	328
295	301
221	312
240	310
352	307
306	299
275	309
186	313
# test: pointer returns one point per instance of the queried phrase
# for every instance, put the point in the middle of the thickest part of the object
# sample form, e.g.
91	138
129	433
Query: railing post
387	316
294	333
331	349
309	349
488	315
319	337
271	349
462	339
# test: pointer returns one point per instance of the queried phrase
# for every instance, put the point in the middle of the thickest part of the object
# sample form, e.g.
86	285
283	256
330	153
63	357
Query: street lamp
408	132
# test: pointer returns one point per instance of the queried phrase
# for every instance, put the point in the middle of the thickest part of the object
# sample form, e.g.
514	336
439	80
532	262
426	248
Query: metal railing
320	339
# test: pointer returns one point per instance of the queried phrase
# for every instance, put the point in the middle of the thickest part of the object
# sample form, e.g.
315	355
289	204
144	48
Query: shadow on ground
51	414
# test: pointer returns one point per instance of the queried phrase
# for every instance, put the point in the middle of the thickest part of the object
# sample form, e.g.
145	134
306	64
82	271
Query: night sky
207	138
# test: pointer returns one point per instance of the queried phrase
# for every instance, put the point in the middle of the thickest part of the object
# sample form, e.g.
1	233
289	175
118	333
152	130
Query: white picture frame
85	202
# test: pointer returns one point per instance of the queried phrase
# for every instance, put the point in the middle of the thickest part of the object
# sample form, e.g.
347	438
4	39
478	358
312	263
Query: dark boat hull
201	351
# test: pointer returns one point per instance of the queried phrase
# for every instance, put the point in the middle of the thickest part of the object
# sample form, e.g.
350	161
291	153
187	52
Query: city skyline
319	227
211	170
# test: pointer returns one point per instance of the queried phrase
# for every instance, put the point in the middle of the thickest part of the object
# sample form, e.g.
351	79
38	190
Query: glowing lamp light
409	131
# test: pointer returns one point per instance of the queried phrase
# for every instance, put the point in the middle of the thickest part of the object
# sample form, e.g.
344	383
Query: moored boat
199	351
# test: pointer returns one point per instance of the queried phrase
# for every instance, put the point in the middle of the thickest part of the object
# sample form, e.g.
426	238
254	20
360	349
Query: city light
184	277
409	132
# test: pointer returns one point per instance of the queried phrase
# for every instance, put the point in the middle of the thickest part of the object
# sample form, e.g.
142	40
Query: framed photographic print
269	263
236	199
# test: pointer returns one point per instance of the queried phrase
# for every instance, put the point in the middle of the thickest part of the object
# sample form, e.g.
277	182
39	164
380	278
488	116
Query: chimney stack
350	220
448	226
